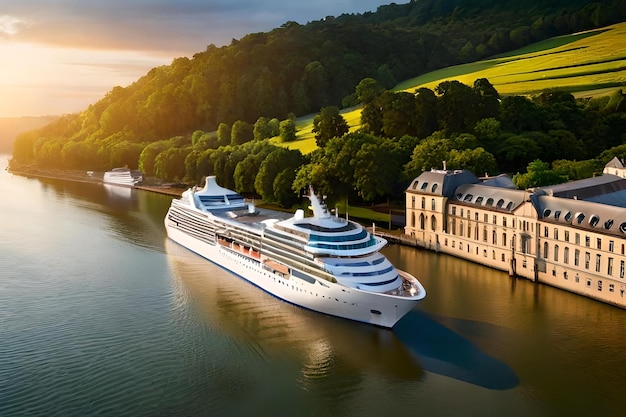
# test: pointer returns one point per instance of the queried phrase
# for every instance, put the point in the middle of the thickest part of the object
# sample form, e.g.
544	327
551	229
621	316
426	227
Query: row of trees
552	136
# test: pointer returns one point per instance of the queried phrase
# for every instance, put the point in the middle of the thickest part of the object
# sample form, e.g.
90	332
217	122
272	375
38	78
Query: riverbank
150	184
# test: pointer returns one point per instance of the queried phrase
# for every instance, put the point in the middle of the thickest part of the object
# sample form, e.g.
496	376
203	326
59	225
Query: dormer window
580	217
557	214
468	197
509	206
434	187
489	202
424	186
478	200
547	212
608	224
622	227
568	216
500	203
594	220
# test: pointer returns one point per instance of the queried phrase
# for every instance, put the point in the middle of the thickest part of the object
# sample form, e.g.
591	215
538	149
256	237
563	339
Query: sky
59	56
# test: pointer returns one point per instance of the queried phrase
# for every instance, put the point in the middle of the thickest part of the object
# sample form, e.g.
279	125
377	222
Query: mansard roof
582	214
443	183
489	197
586	188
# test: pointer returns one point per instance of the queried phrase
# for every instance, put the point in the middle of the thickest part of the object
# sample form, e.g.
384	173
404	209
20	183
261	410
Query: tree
457	107
537	174
430	153
367	90
262	129
287	130
477	160
328	124
241	133
278	160
223	134
149	154
425	113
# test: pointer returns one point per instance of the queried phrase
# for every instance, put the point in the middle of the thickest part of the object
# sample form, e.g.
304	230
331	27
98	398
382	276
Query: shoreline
95	178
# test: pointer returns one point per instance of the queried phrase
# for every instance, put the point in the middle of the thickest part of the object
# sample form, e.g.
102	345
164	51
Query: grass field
585	64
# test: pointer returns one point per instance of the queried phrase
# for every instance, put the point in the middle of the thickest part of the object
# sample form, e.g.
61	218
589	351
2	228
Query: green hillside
585	64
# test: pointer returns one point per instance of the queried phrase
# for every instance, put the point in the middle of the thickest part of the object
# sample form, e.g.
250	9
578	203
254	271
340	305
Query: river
102	315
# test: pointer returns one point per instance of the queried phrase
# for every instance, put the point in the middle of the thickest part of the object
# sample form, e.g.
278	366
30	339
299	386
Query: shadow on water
442	351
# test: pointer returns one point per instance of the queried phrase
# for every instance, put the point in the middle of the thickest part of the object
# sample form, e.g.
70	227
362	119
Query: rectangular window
556	253
476	216
611	288
504	221
577	240
609	269
567	235
621	269
597	263
566	255
599	285
556	234
486	218
545	231
445	242
495	219
461	212
587	260
611	246
454	211
599	243
587	241
576	257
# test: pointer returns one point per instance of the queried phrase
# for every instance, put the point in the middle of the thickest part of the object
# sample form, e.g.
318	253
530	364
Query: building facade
571	236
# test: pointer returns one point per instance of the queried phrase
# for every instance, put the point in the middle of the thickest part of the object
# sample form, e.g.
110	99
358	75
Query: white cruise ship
323	263
122	176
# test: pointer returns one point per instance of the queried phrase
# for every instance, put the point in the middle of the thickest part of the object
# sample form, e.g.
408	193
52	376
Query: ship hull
311	293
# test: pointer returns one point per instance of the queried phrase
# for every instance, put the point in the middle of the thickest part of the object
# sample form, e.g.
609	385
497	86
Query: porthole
622	227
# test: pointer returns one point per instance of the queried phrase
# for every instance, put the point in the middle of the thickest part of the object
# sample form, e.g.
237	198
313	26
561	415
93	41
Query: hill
11	127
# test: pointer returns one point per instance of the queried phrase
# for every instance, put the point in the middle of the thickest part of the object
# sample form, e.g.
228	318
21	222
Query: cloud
11	25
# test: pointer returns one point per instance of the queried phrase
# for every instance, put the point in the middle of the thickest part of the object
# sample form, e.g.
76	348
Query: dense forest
212	114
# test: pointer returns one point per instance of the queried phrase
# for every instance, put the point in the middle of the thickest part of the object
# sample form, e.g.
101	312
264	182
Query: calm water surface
101	315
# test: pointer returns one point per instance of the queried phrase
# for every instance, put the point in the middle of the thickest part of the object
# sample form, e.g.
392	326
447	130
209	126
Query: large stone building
571	236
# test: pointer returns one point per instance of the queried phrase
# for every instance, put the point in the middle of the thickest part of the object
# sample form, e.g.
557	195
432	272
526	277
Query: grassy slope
585	64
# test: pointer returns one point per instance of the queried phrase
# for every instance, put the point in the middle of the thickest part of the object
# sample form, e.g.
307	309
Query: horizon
61	58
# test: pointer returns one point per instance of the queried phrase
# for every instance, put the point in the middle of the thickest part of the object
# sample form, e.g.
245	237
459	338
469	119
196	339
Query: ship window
593	221
608	224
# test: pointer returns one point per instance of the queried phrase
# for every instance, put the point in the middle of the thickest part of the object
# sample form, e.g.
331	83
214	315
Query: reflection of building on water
258	319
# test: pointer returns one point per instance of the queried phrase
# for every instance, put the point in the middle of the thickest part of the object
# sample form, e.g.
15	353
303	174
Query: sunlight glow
42	80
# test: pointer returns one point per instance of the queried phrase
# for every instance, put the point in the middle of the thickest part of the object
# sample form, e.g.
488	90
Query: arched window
412	219
500	203
434	188
489	202
413	202
566	255
422	221
433	223
423	202
504	239
545	250
556	253
494	238
433	204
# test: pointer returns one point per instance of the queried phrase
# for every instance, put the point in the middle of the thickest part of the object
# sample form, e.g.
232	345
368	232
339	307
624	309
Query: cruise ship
122	176
322	262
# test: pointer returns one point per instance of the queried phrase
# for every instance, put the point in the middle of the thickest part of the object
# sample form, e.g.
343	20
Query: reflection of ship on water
115	191
258	319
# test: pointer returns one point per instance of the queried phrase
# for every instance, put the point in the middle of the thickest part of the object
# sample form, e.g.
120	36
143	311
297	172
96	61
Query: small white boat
123	176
